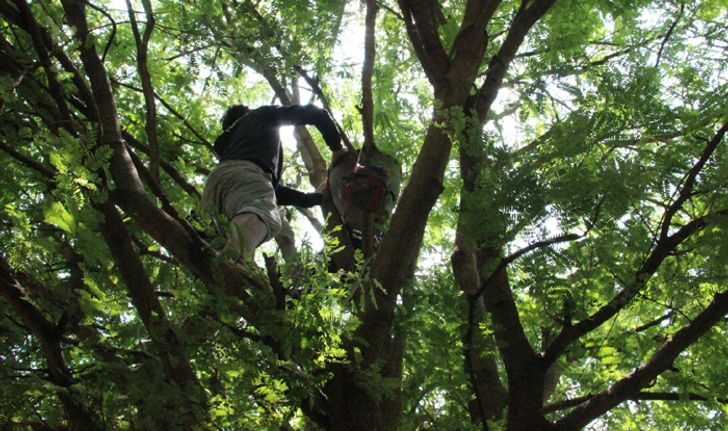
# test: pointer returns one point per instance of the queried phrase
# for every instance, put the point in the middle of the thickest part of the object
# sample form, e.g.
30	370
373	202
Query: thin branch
165	165
46	332
669	33
503	264
112	36
175	364
665	246
311	217
390	10
316	88
47	172
55	88
142	45
172	111
686	190
655	322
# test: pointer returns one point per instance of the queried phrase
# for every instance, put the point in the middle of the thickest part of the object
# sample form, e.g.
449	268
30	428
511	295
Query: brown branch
660	361
274	276
55	88
62	57
159	193
422	19
655	322
175	364
669	33
498	66
395	260
105	13
689	181
142	46
666	245
46	171
503	263
367	109
172	111
390	10
129	191
640	396
482	371
166	166
311	217
518	355
46	332
286	241
316	88
470	43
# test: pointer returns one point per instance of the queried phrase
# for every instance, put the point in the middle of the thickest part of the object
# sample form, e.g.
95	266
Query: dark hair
232	115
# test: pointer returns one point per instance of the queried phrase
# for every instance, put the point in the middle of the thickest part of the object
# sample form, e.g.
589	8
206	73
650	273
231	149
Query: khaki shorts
241	186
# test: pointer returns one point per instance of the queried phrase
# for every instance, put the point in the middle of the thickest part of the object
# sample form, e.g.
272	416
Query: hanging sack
365	185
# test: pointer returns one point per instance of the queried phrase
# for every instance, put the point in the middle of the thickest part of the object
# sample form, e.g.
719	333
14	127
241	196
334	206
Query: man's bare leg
251	230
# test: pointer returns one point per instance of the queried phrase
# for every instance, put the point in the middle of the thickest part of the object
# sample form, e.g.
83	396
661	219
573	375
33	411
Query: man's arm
288	196
309	114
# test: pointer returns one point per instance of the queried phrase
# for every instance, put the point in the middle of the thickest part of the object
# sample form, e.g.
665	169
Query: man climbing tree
245	186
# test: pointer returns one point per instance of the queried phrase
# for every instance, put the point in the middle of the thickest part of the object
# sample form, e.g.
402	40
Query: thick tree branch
422	19
175	364
471	42
660	361
367	105
396	257
640	396
498	66
129	192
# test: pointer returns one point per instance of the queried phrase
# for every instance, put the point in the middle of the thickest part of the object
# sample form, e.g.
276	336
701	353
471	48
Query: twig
509	259
172	111
142	44
316	88
669	33
112	36
654	322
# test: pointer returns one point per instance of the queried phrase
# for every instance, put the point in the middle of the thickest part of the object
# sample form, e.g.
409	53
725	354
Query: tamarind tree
557	259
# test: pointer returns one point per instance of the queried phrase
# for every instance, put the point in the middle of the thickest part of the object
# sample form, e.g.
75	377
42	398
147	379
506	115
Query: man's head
232	114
